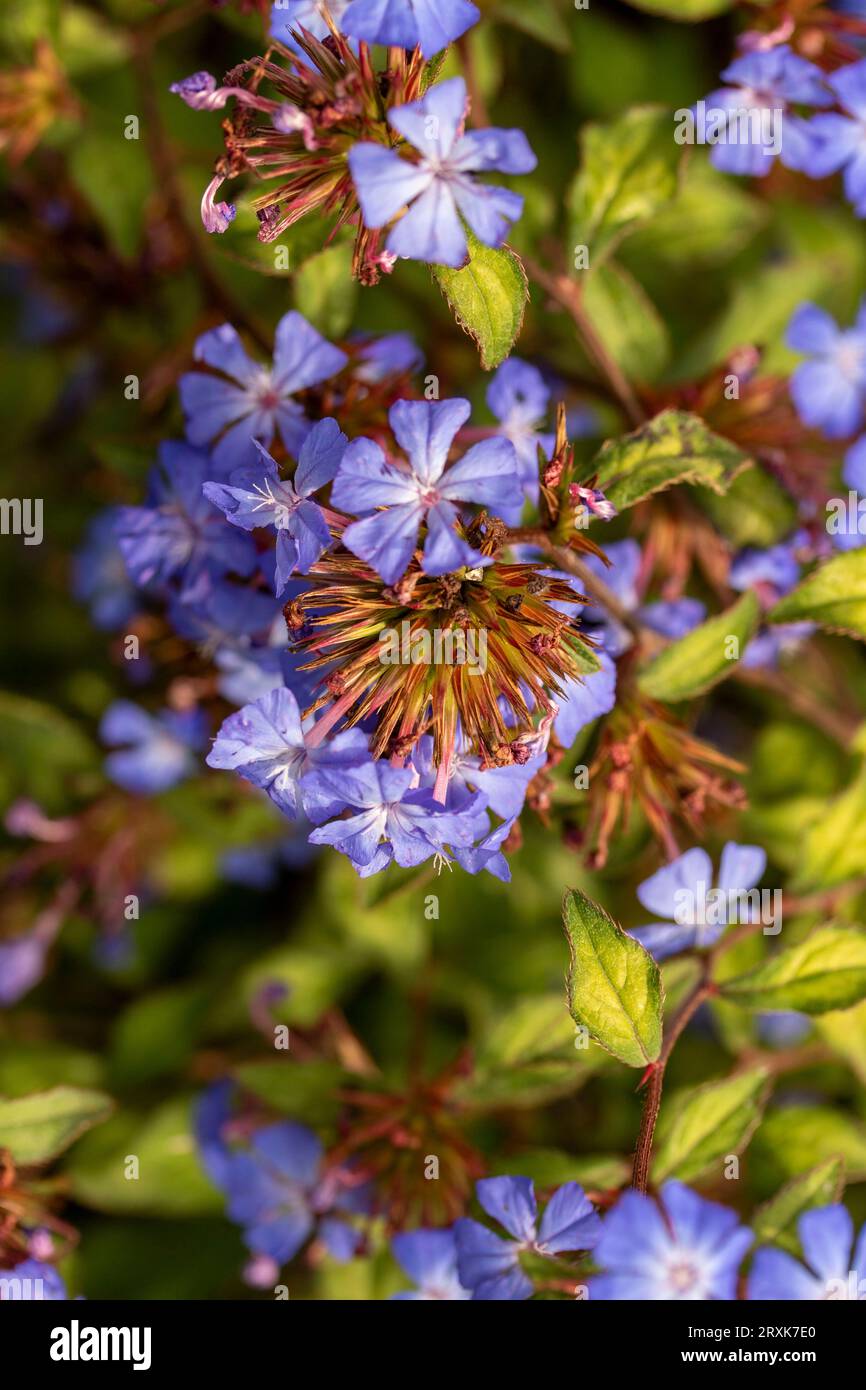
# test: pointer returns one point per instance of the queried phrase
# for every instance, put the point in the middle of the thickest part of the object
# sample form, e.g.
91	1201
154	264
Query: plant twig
568	294
652	1102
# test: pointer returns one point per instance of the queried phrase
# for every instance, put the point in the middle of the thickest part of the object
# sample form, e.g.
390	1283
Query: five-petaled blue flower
519	397
439	188
265	743
830	390
279	1189
681	1248
835	1267
428	24
839	141
697	913
257	496
393	818
766	84
155	752
100	576
177	538
489	1264
422	492
256	403
429	1258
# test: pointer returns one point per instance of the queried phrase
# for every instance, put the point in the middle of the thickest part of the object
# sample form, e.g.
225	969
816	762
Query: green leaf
845	1033
325	292
689	11
170	1180
833	596
826	971
834	846
40	750
794	1138
673	447
700	660
775	1223
488	298
701	1125
628	172
614	985
553	1167
627	322
117	192
304	1090
541	20
755	510
528	1057
37	1128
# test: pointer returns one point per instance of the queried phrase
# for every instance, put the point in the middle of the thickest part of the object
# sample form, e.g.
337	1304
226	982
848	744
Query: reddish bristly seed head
503	612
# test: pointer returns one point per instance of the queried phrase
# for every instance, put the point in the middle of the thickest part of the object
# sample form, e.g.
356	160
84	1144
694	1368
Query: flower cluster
381	150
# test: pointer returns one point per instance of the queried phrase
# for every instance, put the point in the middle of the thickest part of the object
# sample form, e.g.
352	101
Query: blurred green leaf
775	1223
628	172
170	1181
700	1126
614	986
845	1033
628	324
302	1090
833	848
698	661
755	509
833	596
541	20
40	749
826	971
325	292
488	298
113	176
156	1033
689	11
37	1128
794	1138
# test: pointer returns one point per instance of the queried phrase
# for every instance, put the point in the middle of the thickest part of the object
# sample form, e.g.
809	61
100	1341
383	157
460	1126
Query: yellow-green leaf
775	1223
614	985
673	447
826	971
38	1127
833	596
488	298
702	1125
703	657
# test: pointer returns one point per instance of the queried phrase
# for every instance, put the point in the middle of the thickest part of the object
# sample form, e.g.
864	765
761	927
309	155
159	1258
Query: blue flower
583	701
429	1258
257	496
100	576
771	573
438	189
159	749
519	397
829	391
303	14
697	914
177	537
279	1188
391	820
22	965
671	618
252	400
392	354
681	1248
767	81
423	491
489	1265
840	140
265	743
34	1280
428	24
835	1268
